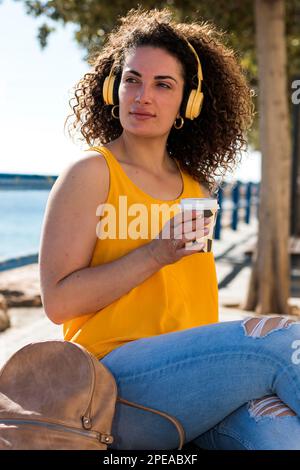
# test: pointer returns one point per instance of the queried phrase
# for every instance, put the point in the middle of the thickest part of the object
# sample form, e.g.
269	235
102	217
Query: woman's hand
169	245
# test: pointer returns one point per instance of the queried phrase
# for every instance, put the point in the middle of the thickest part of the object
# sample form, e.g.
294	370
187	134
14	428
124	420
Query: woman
142	302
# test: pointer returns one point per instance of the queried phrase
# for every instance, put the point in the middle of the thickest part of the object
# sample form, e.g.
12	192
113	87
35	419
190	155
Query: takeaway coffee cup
210	207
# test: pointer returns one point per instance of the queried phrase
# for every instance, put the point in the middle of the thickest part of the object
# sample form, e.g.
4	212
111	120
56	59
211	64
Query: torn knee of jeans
258	327
269	406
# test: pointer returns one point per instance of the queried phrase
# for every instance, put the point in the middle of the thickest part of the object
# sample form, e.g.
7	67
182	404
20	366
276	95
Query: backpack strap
173	420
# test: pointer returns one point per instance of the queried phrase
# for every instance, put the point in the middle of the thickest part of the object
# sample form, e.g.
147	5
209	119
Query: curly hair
204	146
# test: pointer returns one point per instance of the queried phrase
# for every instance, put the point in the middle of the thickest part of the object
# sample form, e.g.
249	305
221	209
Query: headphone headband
199	71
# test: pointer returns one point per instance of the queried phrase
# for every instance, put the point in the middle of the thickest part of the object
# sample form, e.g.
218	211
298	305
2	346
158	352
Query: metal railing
238	202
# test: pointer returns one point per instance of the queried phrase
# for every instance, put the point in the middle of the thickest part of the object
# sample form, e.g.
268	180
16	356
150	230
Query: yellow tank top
179	296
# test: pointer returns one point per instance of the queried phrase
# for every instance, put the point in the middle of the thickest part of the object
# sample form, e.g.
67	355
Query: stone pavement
233	261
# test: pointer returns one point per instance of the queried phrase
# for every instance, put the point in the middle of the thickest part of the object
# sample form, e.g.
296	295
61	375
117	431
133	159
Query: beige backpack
57	395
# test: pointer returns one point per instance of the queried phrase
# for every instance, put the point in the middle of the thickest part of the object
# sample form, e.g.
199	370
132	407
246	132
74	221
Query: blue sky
35	87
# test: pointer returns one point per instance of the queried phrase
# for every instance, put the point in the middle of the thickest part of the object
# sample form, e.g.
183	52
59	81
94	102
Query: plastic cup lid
200	203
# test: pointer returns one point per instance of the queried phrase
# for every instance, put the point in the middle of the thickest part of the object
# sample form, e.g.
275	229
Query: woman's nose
143	94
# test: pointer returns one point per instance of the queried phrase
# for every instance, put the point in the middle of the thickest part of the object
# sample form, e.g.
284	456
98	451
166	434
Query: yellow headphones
190	107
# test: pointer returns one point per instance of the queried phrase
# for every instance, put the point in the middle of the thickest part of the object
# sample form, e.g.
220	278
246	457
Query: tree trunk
295	203
269	287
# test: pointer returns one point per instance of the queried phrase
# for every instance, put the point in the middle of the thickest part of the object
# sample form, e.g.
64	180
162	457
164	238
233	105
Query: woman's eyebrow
157	77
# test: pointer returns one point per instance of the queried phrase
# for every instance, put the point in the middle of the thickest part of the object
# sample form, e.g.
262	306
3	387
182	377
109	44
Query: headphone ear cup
197	103
194	104
105	90
110	90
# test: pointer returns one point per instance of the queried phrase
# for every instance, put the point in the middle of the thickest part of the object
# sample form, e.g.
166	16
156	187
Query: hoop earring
181	123
112	111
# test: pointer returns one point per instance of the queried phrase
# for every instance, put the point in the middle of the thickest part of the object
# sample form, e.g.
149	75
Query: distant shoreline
17	181
18	262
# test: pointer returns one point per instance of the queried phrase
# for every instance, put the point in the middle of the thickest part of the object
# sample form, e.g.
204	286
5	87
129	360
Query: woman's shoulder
88	174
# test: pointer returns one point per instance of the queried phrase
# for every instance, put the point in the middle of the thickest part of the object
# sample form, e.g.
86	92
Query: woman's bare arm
69	287
93	288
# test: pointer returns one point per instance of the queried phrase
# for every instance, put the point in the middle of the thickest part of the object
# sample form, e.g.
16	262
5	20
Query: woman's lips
141	117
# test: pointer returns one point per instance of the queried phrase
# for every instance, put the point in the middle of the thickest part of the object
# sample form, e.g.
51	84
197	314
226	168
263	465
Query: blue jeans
207	377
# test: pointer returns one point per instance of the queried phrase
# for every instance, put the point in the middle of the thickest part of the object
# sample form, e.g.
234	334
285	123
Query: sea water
21	218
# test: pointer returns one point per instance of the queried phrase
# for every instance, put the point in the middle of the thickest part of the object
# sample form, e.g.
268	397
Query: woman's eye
164	84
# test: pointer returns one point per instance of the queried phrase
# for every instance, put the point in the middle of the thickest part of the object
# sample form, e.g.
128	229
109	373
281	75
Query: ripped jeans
232	385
